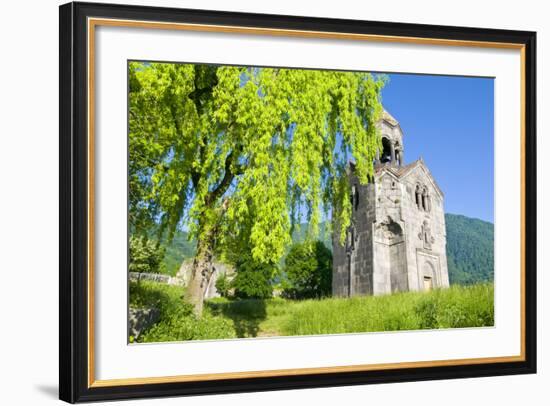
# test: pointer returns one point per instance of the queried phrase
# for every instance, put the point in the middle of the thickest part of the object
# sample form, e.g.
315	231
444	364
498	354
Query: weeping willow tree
238	155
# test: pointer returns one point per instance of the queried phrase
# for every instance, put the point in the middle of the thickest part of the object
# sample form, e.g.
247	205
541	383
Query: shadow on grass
246	314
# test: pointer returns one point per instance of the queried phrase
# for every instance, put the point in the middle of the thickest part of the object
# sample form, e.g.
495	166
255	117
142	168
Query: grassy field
458	306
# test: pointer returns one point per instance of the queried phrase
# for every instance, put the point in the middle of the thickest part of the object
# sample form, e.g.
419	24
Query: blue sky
448	120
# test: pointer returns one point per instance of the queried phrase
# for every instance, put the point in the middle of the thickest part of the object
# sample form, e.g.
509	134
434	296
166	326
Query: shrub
253	280
308	269
177	322
223	285
180	327
146	255
168	299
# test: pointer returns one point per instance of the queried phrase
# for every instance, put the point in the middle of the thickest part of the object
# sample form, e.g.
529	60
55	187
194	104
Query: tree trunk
202	264
200	275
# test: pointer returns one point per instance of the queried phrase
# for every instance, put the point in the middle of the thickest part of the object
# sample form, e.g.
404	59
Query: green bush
179	327
146	255
253	280
308	270
168	299
177	321
223	285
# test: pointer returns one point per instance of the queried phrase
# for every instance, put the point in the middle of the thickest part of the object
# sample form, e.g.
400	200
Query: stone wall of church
362	256
340	279
394	245
426	233
389	235
358	246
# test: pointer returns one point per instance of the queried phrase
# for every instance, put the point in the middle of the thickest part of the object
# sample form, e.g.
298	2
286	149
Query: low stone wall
155	277
183	276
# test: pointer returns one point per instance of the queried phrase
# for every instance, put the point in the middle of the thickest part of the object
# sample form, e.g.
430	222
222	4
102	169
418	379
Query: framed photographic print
257	202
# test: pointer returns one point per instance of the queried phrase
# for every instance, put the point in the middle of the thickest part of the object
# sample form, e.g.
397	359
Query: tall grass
458	306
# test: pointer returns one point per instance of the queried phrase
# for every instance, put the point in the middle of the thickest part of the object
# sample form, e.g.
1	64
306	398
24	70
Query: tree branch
225	182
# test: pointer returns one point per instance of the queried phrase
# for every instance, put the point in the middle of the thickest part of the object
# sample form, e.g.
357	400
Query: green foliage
308	271
178	327
177	321
146	255
253	279
223	285
237	154
300	234
178	249
166	298
470	250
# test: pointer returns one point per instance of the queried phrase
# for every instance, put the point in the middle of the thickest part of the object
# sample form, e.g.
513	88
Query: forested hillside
470	249
177	251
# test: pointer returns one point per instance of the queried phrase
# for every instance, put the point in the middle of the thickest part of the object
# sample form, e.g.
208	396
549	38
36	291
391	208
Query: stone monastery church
397	238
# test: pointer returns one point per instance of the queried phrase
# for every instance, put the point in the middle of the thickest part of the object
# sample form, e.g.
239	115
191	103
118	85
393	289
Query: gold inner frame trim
94	22
298	371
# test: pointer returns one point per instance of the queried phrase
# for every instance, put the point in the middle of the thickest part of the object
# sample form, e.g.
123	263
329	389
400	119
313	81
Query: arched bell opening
386	155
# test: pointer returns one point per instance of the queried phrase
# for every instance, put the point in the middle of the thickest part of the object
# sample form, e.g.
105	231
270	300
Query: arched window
386	151
418	197
428	203
425	199
354	197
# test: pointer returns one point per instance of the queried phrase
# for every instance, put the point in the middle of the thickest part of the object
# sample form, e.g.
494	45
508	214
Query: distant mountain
300	233
470	250
177	251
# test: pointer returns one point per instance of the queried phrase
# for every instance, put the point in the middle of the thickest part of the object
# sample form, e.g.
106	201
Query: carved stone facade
397	239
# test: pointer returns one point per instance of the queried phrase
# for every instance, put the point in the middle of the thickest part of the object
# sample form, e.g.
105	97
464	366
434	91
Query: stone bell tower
397	239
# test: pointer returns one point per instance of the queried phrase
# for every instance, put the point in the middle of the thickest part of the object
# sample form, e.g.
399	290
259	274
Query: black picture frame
74	385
